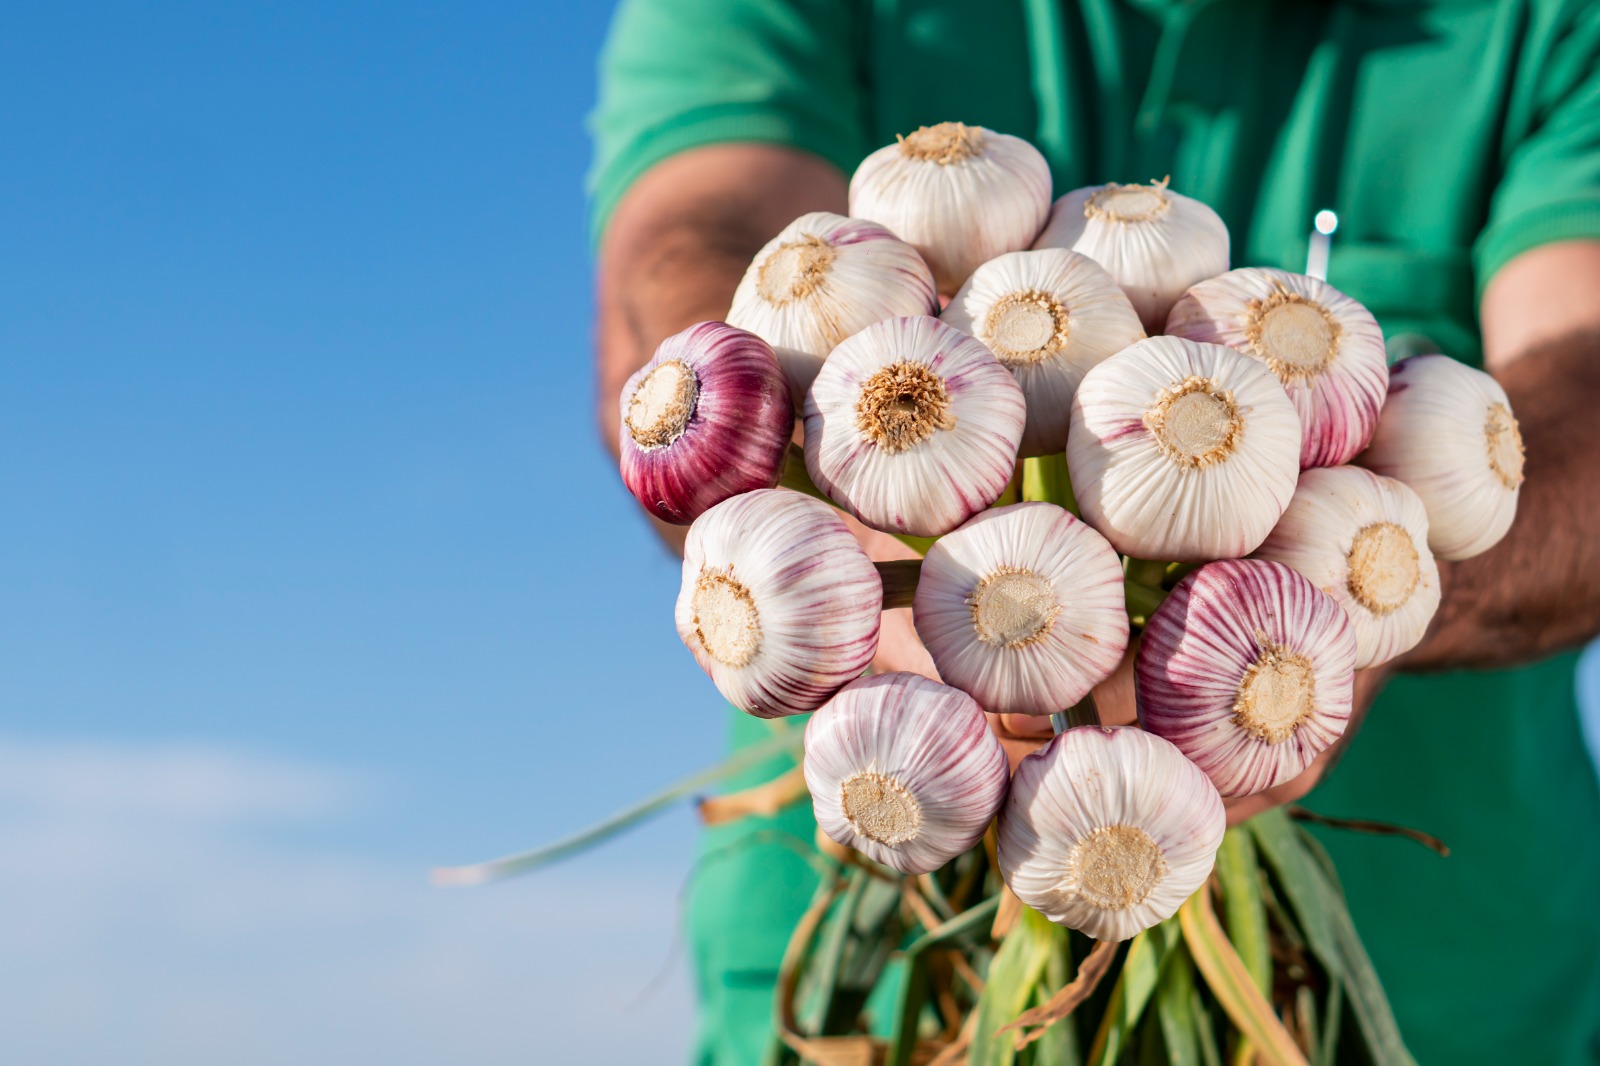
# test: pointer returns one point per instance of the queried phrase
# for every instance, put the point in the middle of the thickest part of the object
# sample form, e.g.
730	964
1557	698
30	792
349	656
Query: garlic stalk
961	194
1048	316
1153	241
820	280
1447	431
1108	831
1249	669
912	426
1022	607
904	770
779	604
1182	451
1325	347
708	417
1362	539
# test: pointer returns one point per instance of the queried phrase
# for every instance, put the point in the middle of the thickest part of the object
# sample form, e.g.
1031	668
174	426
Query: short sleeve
679	74
1550	189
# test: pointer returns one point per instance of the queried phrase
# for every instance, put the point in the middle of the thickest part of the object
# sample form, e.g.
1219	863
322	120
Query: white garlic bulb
961	194
1447	431
1153	241
904	770
1362	539
1023	607
1048	316
1249	669
1108	831
820	280
779	604
1325	347
912	426
1182	451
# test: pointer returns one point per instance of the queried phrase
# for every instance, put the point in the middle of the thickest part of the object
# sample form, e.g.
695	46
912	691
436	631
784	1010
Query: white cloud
155	908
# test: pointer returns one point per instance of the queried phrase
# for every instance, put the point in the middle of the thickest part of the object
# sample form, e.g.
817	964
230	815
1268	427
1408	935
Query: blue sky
313	574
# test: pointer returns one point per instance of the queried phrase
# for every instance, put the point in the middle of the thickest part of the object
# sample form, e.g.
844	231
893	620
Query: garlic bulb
779	603
708	417
1154	242
1326	349
823	278
912	426
1249	669
1108	831
1447	431
1048	316
961	194
1182	451
1023	607
1362	539
904	770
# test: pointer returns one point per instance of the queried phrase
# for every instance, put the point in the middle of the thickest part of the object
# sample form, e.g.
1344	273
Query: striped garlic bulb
1049	316
1182	451
1447	431
820	280
1022	606
1362	539
1153	241
1325	347
708	417
1249	669
779	604
912	426
1108	831
961	194
904	770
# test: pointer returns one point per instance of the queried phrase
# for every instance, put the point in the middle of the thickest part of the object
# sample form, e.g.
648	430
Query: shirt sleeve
1550	188
678	74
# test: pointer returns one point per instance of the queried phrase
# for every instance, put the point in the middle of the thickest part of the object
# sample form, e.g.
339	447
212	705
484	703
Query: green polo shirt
1449	137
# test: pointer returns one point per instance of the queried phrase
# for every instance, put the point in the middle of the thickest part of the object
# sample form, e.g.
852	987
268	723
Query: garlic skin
1153	241
708	417
1049	316
1325	347
779	604
1182	451
904	770
1108	831
1447	431
912	426
1249	669
1363	540
961	194
1022	607
823	278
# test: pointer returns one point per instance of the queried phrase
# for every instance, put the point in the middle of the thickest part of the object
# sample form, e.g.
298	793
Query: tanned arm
1538	591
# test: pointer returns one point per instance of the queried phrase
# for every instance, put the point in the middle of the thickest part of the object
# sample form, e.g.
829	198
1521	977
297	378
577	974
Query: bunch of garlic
1219	443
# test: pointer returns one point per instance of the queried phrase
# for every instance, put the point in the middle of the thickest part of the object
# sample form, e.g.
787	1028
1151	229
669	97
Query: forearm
1538	590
